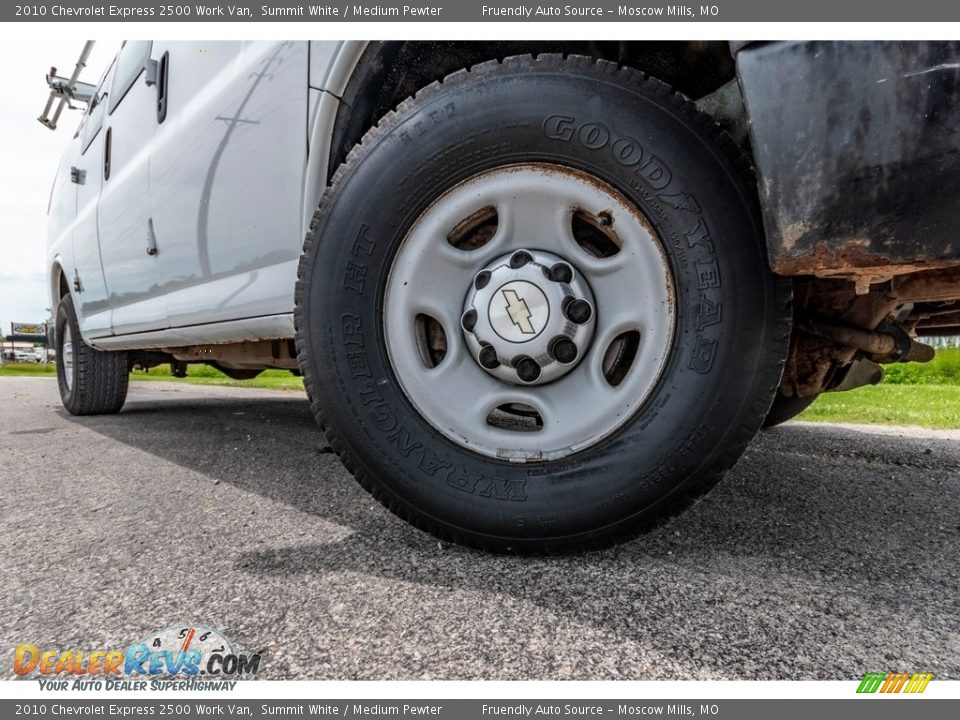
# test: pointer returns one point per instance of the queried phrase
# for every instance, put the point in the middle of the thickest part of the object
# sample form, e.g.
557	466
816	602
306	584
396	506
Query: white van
542	294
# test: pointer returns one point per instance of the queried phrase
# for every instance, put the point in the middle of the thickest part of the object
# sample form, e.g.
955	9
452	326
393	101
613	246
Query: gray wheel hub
68	356
500	357
528	317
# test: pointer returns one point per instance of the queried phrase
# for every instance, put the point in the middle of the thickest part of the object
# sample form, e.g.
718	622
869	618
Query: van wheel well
389	72
63	288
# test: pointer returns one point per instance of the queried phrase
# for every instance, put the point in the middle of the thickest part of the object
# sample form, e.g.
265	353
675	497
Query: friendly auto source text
523	710
530	11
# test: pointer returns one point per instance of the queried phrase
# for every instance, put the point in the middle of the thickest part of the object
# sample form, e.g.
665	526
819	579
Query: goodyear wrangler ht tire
91	382
534	311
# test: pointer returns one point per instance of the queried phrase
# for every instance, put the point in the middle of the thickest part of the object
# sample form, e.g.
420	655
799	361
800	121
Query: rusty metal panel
857	150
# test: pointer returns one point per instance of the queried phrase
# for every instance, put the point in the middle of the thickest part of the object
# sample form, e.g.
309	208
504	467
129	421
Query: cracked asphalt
829	551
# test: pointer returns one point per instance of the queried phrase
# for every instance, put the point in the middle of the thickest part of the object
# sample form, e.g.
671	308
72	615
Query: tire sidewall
67	317
711	235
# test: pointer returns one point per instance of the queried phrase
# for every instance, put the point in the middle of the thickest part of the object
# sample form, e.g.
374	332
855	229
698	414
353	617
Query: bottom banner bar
874	708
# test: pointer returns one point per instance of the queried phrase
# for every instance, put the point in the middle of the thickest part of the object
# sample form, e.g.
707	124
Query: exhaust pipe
889	343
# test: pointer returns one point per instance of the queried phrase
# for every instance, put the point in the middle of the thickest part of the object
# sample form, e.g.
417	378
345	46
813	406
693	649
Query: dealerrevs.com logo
182	657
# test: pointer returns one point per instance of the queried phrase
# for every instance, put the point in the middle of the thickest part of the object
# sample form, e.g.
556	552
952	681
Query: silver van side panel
236	170
271	327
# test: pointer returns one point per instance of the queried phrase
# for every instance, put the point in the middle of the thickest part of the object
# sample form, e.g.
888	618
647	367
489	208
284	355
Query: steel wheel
529	312
67	357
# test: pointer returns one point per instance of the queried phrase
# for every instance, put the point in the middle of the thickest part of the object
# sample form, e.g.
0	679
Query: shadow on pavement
823	543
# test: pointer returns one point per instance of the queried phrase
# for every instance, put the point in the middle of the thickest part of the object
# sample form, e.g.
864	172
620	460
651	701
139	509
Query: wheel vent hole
595	233
431	340
475	231
515	417
620	356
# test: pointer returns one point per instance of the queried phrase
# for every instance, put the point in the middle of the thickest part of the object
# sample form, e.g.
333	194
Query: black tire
729	342
98	385
786	408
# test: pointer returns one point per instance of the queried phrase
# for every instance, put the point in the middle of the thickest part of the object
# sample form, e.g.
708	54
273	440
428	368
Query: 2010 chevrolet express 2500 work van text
549	290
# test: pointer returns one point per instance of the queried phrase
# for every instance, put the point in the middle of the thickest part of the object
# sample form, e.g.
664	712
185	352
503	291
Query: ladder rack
65	91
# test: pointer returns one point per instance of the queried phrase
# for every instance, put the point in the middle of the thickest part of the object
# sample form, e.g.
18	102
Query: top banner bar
476	11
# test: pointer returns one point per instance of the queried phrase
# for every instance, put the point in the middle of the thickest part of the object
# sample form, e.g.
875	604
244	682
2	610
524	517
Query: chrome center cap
519	311
528	317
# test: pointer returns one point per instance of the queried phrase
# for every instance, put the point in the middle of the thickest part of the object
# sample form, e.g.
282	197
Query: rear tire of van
534	311
91	382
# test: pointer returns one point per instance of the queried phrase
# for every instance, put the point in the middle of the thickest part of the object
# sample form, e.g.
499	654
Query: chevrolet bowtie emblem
519	312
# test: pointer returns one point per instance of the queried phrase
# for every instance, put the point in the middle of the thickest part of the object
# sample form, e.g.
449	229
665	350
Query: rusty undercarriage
858	175
842	335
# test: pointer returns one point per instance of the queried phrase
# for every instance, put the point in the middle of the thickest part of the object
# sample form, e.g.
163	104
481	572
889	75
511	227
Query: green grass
206	375
923	394
23	368
944	369
931	406
926	395
197	374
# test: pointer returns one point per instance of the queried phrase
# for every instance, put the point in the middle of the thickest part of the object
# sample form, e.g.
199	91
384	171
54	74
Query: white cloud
31	155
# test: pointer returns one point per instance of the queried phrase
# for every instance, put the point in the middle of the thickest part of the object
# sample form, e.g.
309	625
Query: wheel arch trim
330	84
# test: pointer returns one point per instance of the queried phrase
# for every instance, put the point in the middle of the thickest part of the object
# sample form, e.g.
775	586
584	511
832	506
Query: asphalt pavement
828	552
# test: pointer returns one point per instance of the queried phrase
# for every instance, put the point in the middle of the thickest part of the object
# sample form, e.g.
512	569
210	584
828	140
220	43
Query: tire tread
102	377
737	439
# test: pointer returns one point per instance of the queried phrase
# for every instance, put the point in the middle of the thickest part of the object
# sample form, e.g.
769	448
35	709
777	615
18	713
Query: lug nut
563	350
527	369
469	320
481	280
579	311
488	357
560	273
519	259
